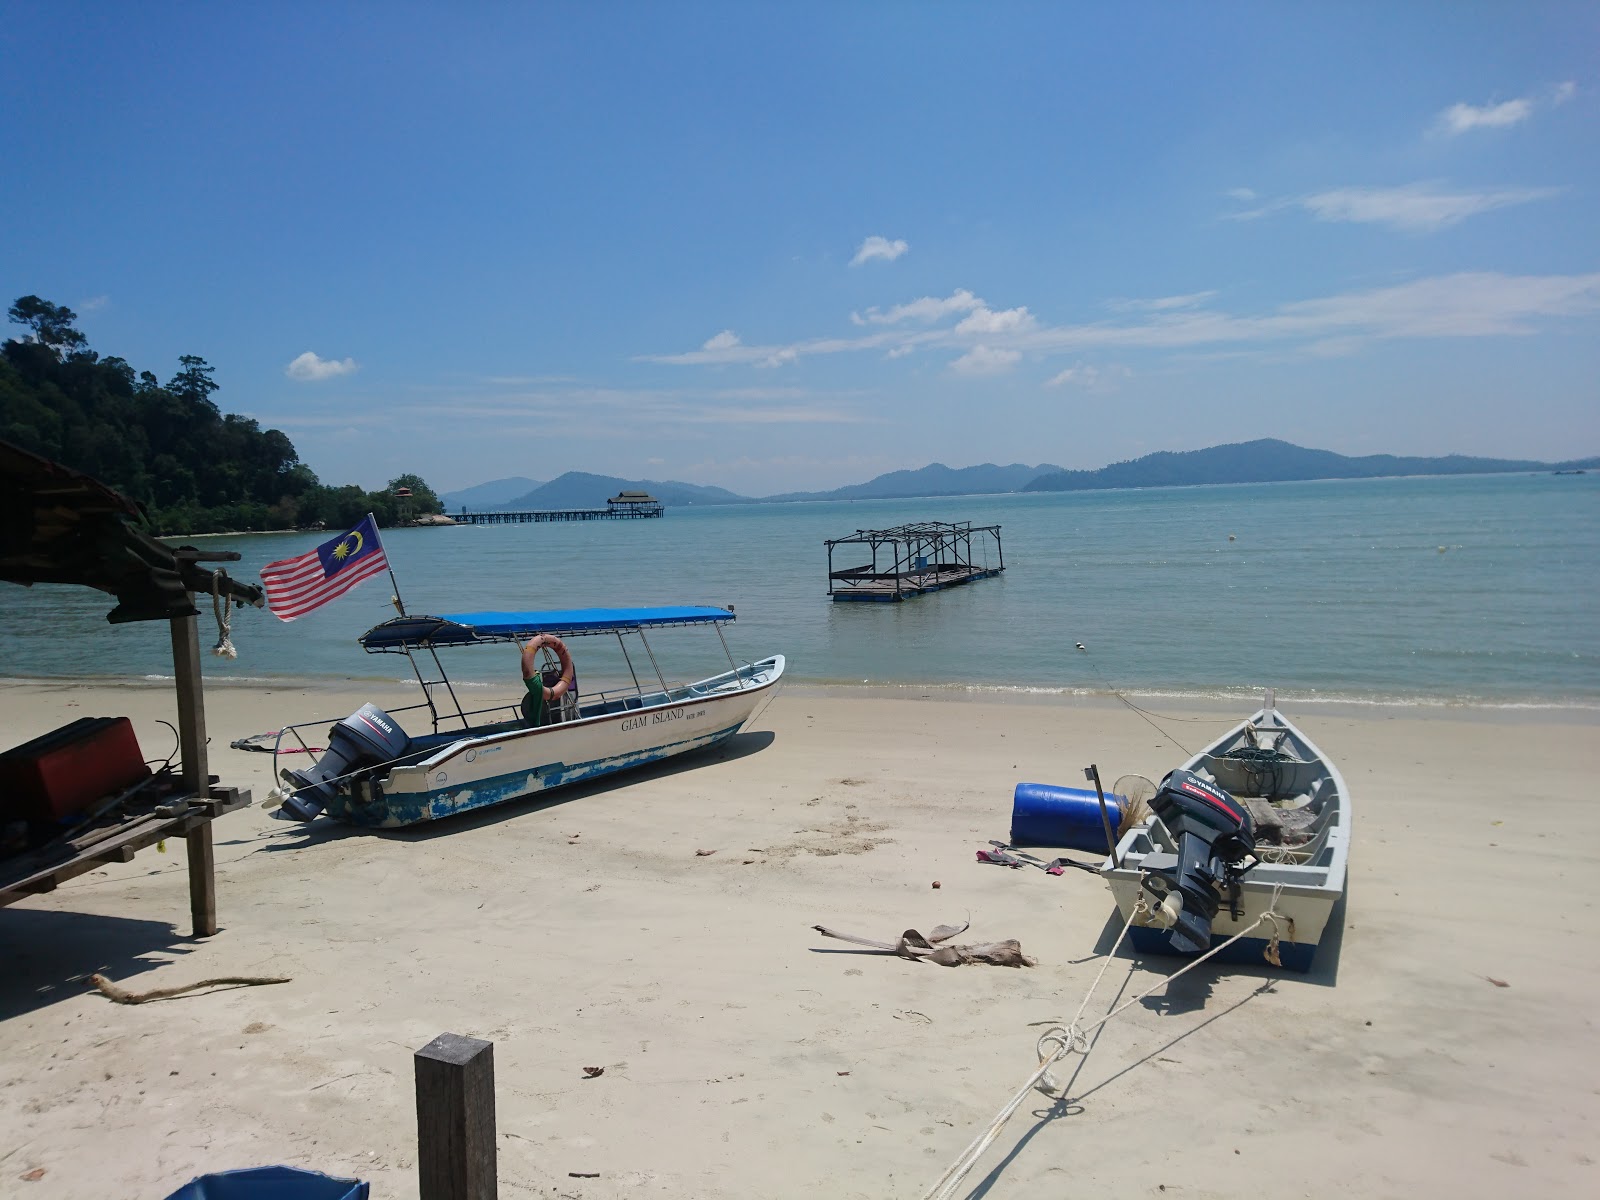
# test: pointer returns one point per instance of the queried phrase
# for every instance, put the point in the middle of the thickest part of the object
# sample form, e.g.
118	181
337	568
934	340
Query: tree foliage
194	468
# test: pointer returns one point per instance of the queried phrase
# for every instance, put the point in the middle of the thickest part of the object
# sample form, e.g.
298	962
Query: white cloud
986	360
879	247
1087	375
725	340
1466	304
1412	207
308	368
94	304
927	309
985	320
1162	303
1459	118
1463	118
1245	194
1415	207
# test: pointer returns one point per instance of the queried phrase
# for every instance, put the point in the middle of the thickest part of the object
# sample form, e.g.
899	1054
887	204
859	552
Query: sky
776	247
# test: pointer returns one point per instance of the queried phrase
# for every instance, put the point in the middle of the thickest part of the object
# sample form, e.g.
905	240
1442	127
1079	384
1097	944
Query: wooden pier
626	506
926	557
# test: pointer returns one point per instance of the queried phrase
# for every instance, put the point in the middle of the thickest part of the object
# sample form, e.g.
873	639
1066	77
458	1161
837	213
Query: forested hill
167	445
1271	461
935	479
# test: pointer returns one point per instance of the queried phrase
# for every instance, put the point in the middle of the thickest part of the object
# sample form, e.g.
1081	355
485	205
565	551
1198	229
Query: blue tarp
460	629
271	1183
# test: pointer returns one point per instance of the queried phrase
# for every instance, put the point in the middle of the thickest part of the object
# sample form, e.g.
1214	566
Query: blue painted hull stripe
413	807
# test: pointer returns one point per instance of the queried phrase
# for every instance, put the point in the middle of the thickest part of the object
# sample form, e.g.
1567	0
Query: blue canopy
463	629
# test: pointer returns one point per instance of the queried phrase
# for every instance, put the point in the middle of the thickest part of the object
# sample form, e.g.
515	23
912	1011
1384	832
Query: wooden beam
455	1119
196	777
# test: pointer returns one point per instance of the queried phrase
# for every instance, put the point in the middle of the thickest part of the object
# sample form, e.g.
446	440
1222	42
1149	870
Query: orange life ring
530	662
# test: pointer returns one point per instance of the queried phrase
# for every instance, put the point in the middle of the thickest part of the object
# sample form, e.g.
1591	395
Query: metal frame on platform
927	557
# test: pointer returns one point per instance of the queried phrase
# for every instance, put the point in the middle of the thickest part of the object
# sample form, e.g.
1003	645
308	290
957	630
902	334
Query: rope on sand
1075	1037
122	996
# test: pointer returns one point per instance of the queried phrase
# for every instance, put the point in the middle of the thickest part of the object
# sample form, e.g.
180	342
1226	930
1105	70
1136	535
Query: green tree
194	468
194	383
51	324
423	498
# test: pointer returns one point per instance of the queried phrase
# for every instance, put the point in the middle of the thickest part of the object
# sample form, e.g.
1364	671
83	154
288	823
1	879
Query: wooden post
196	769
455	1119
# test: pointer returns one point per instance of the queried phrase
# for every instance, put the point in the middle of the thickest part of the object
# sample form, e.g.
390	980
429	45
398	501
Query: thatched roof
58	525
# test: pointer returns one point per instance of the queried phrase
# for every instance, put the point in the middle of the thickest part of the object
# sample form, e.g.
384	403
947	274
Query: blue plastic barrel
271	1183
1043	814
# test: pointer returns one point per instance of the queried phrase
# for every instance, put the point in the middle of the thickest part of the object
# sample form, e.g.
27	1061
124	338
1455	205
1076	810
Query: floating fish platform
912	560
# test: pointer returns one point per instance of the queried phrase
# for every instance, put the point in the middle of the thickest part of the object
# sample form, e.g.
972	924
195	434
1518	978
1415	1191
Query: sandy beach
746	1056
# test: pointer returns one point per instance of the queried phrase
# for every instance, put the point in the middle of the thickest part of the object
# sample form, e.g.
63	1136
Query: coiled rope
219	606
1075	1037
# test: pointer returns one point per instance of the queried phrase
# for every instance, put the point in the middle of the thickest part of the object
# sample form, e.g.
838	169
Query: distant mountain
936	479
1264	461
488	495
577	489
1272	461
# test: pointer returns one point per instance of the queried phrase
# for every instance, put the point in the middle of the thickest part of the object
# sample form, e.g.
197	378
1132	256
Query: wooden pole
196	770
455	1119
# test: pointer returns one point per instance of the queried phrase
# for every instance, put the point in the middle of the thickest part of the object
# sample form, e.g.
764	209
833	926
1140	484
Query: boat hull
1304	894
495	768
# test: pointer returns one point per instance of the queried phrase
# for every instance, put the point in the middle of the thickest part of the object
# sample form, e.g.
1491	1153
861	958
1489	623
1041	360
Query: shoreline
1221	699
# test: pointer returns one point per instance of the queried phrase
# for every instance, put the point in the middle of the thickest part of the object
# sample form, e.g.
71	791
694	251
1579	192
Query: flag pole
389	564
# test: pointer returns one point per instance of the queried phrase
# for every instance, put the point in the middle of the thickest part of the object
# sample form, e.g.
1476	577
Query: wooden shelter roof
58	525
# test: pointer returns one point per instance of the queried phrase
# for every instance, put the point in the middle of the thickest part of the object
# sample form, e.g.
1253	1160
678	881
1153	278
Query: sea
1442	591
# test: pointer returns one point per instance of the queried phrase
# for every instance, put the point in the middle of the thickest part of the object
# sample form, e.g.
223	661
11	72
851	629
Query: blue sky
774	247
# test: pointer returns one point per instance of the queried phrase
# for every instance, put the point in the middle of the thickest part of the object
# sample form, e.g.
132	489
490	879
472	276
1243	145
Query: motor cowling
1214	835
368	737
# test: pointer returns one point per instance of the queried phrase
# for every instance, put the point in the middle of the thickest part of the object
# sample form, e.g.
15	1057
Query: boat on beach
375	773
1258	821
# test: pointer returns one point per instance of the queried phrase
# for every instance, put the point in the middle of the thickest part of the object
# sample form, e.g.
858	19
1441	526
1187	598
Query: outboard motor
1215	835
368	737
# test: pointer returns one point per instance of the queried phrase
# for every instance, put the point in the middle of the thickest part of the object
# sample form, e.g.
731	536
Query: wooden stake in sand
455	1119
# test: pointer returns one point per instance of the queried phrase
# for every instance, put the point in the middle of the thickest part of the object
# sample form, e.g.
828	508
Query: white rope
219	606
1075	1037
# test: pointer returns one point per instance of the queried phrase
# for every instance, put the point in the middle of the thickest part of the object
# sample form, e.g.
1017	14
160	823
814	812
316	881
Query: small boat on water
1259	813
375	773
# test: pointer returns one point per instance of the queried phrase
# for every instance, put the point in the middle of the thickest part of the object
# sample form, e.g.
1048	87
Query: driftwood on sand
935	947
122	996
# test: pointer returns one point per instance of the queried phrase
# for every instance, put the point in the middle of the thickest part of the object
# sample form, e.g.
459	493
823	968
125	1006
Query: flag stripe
297	606
297	585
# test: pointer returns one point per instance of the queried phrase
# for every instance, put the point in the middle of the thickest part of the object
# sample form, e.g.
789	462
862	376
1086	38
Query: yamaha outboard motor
1214	835
368	737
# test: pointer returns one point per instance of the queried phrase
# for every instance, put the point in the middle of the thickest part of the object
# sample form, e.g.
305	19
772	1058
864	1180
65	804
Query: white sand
744	1055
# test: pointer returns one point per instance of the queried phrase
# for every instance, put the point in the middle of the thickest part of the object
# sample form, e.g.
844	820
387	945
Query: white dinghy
1258	821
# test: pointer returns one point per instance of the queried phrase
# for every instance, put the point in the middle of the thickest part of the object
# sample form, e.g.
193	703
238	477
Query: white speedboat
376	773
1261	813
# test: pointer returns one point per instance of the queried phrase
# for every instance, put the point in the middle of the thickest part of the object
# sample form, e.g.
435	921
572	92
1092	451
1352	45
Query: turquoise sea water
1334	590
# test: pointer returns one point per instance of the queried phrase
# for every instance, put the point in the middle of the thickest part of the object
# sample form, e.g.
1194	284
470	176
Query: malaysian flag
297	585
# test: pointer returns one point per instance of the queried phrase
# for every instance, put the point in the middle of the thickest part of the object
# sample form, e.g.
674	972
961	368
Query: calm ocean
1331	590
